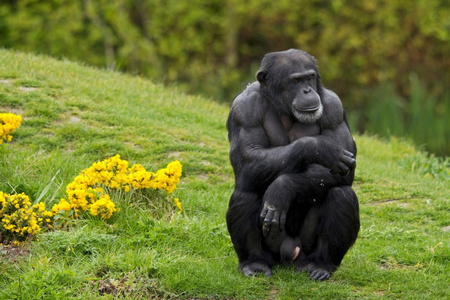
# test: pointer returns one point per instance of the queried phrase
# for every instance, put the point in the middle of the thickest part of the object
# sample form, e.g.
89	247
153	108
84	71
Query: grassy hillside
75	115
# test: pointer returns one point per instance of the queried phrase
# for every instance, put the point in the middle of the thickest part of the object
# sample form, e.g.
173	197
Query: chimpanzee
294	159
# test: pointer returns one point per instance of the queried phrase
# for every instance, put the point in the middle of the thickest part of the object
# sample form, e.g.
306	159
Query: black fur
294	158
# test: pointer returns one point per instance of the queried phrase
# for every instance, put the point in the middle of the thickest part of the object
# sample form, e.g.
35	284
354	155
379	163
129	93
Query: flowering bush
90	191
19	220
8	124
103	207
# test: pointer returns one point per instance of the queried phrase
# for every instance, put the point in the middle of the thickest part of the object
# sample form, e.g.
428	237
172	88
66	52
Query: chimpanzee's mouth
307	109
309	114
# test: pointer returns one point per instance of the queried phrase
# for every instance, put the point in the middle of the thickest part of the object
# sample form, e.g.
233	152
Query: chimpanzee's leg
276	203
304	190
245	230
328	232
329	229
320	209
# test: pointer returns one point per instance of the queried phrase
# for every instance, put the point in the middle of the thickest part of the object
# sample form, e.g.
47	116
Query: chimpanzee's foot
315	271
290	249
254	268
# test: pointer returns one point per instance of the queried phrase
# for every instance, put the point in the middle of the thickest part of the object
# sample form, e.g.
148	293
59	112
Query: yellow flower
40	207
178	205
77	198
89	189
19	218
62	205
8	124
103	207
47	213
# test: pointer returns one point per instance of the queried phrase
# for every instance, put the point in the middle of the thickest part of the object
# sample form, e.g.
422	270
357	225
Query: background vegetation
388	60
75	115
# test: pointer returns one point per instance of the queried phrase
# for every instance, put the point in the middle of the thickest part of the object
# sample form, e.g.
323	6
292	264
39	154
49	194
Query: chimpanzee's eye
295	80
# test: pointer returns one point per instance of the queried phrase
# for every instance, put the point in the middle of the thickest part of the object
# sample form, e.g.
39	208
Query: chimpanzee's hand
330	154
272	219
345	164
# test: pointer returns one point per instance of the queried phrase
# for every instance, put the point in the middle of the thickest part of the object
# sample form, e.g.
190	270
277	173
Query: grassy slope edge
74	115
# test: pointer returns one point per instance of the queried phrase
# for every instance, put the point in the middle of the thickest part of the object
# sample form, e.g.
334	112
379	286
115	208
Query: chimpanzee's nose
306	90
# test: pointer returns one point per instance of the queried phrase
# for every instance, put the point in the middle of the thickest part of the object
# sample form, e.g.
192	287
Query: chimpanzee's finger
267	222
263	214
275	220
350	162
343	168
348	153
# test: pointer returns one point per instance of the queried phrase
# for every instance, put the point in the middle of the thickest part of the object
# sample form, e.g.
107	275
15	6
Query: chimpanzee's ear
262	76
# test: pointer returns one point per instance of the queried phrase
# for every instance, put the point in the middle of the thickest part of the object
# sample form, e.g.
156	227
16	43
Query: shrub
19	220
8	124
91	191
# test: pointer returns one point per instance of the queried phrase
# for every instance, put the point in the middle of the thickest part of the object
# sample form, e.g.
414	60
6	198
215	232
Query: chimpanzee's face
293	77
301	94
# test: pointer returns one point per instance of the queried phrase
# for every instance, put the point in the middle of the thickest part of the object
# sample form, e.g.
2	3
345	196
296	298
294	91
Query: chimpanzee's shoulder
333	111
249	95
249	105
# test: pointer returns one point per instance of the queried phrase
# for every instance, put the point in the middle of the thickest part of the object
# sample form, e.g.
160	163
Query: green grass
74	115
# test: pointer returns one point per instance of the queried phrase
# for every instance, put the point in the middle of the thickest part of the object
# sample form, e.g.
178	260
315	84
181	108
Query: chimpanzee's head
291	81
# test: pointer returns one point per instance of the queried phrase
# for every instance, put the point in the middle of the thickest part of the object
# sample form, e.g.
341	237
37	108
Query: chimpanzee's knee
339	220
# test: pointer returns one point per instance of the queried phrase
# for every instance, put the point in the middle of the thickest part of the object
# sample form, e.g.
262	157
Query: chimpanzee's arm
251	152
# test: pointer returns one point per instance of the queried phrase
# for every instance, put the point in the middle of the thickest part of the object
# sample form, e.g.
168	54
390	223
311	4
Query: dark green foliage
200	42
420	117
